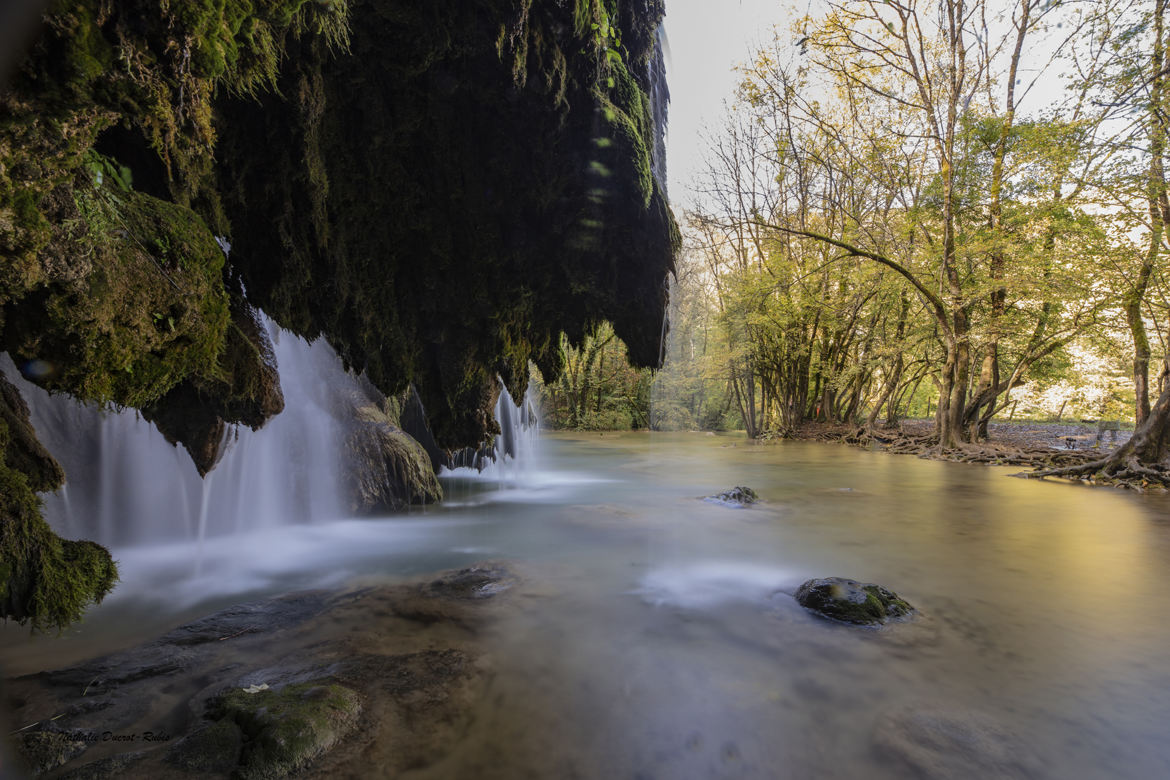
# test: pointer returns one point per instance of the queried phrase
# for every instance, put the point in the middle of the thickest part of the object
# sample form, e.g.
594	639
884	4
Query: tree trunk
1141	460
1158	207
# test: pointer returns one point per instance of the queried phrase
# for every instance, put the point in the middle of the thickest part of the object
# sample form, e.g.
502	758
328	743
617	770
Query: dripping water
659	102
509	461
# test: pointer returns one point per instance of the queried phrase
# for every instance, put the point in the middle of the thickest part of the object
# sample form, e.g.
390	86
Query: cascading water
127	485
659	95
512	457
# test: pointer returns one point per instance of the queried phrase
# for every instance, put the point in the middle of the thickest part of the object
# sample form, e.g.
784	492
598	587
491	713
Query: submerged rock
325	683
850	601
739	496
44	751
930	742
475	582
273	732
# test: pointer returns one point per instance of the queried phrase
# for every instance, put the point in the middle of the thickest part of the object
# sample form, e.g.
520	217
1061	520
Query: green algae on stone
851	601
44	579
23	452
150	311
386	469
281	730
242	387
212	750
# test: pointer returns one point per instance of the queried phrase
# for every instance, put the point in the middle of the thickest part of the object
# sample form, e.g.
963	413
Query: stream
659	637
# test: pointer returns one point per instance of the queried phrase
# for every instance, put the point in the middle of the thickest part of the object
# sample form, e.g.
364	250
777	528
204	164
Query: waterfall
659	101
127	485
513	452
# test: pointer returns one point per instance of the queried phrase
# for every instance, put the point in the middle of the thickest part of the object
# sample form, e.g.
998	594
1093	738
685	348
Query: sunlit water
659	638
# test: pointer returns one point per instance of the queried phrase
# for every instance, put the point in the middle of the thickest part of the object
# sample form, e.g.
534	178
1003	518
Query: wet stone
43	751
850	601
737	498
475	582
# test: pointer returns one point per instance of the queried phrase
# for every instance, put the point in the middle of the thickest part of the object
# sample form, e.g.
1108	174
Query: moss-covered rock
280	730
243	387
24	452
44	579
149	311
738	497
850	601
215	749
44	751
387	470
113	286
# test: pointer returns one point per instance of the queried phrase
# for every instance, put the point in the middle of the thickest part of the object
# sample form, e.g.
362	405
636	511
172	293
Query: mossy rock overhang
470	179
439	188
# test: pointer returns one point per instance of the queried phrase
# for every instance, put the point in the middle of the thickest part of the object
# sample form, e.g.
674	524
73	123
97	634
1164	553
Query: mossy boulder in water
850	601
270	733
738	497
386	469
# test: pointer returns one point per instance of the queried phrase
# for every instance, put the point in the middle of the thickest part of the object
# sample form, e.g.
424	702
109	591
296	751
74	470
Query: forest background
952	210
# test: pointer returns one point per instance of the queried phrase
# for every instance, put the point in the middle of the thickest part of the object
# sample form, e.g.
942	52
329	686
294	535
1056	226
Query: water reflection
654	635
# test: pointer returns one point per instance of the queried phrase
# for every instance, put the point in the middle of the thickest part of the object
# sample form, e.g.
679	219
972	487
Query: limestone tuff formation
439	189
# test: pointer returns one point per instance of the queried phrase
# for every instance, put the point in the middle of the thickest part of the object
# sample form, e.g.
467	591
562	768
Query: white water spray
127	485
512	458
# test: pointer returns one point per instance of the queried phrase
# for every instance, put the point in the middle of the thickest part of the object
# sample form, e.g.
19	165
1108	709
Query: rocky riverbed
323	683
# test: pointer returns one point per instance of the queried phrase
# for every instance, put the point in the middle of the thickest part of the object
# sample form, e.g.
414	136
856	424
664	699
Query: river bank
1031	444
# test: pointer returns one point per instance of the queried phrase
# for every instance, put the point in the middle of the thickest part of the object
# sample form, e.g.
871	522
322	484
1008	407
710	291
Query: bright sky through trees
707	39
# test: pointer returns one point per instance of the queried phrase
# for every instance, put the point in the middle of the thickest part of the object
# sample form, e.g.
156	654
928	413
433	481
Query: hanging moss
113	286
243	387
470	214
151	310
23	452
441	189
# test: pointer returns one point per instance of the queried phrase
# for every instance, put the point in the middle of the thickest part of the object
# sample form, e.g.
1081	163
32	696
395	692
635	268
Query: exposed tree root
899	442
1124	472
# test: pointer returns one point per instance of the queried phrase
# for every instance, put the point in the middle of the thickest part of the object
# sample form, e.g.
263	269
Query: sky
706	39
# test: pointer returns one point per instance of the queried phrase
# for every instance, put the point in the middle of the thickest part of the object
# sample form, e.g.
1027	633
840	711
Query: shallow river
664	642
